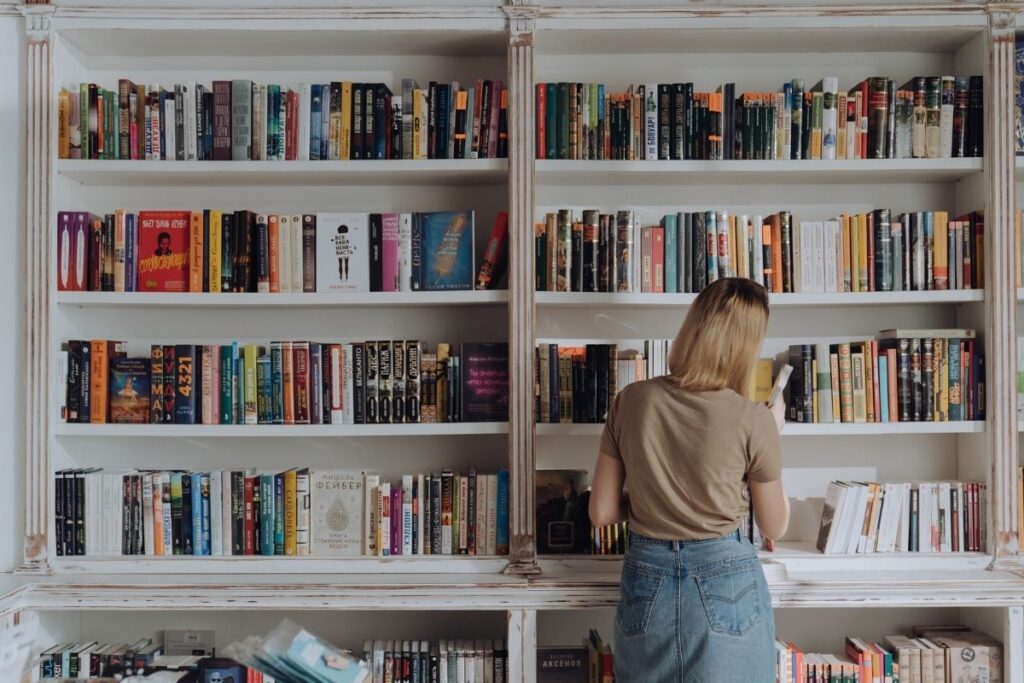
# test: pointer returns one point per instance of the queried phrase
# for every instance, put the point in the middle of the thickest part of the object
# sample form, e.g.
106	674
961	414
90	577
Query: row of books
932	654
685	251
93	659
577	383
926	517
903	376
244	251
591	662
927	117
297	512
284	382
242	120
422	661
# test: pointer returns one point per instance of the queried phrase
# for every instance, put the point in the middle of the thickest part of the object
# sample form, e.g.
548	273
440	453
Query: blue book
501	516
278	503
130	256
446	250
266	514
204	493
272	118
314	120
956	392
929	241
671	255
883	387
197	513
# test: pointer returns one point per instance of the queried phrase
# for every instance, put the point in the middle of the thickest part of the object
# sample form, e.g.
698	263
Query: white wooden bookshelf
547	41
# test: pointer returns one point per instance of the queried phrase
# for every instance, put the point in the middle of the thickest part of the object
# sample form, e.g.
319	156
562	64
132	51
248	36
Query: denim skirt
693	612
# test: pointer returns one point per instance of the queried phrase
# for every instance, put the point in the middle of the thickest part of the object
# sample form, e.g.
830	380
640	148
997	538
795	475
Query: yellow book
345	131
733	250
63	124
862	252
869	382
419	123
195	253
290	513
841	127
845	250
761	382
249	354
940	248
859	396
214	250
834	363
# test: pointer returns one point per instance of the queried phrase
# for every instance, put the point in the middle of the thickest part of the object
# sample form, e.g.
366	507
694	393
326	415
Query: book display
326	308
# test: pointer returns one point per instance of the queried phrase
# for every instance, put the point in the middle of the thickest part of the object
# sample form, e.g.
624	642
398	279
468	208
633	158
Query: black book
590	389
86	391
805	123
443	113
432	121
435	513
554	408
58	510
503	124
677	121
185	384
562	132
904	381
884	261
395	124
73	385
237	528
576	260
227	251
376	249
591	251
356	136
325	385
728	129
975	117
179	123
358	383
413	381
665	119
370	122
461	118
890	131
928	379
316	384
916	380
684	251
207	128
786	223
605	252
126	515
601	388
71	511
699	236
186	514
482	382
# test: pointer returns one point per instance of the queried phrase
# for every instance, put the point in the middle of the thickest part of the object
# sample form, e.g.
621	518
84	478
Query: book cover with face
163	251
342	252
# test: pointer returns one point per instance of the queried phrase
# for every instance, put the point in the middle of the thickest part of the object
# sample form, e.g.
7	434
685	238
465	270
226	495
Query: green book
267	514
227	412
551	124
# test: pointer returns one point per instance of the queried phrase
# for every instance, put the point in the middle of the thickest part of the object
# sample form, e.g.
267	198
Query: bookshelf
519	44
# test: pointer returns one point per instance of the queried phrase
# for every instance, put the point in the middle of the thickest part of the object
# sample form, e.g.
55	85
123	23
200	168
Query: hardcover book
562	665
129	390
163	251
562	522
484	382
342	252
446	249
336	503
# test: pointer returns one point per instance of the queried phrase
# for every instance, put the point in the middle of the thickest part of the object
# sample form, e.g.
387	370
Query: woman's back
687	454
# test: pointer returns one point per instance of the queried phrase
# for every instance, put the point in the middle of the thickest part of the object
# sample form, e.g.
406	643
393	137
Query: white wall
12	288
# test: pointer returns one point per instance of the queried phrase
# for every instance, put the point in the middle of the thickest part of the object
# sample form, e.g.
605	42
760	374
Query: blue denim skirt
693	612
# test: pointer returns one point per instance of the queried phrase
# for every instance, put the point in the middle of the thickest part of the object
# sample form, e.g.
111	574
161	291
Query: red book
492	266
874	384
646	259
170	381
658	259
300	374
389	252
979	249
163	251
291	134
396	520
249	528
542	109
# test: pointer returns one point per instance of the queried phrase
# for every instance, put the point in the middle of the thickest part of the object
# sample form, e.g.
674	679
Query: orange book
288	383
290	513
776	227
856	651
99	372
273	230
158	516
870	379
800	672
195	253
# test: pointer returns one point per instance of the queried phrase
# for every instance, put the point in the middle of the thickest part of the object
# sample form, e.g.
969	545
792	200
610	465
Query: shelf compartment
293	431
799	429
250	301
274	565
766	172
283	173
605	300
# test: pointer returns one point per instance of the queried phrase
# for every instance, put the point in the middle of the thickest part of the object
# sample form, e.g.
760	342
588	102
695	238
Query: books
926	517
286	382
563	524
241	251
292	654
868	120
876	251
562	665
239	120
101	513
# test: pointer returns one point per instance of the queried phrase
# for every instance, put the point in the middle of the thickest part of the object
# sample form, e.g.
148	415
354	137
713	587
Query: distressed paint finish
1001	318
521	434
522	645
38	155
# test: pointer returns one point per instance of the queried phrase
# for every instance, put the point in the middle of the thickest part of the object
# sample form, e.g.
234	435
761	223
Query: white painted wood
771	172
244	565
282	173
254	301
259	431
795	429
522	645
603	300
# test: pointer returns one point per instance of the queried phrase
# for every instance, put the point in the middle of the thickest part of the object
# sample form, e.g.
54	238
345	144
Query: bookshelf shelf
280	431
767	172
250	301
282	173
240	564
803	299
794	429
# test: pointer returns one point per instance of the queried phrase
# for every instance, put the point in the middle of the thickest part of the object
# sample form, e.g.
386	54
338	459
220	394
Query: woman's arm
608	503
771	508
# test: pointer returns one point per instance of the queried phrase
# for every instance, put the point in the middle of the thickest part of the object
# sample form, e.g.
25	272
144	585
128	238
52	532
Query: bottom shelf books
927	517
297	512
591	662
934	654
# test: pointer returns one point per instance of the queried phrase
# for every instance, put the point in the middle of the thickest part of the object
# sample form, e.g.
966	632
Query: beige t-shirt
687	456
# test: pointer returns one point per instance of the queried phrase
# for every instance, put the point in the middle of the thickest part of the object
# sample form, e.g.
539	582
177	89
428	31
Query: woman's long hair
719	341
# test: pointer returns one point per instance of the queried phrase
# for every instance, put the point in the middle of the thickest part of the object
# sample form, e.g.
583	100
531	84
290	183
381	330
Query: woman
694	604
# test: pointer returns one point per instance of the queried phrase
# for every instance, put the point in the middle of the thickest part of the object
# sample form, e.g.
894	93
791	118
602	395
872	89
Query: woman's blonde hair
719	341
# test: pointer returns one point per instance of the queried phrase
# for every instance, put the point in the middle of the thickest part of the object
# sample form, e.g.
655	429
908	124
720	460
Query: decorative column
521	429
1001	294
39	137
522	646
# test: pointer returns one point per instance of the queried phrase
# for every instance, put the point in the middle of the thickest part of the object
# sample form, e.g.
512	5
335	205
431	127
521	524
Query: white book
831	254
650	120
347	412
302	516
377	665
890	503
877	505
478	662
903	537
946	518
442	660
405	252
92	510
284	251
371	484
169	137
857	519
296	253
831	511
264	101
786	134
852	148
492	513
742	258
116	536
924	516
305	96
947	99
961	515
407	514
829	127
936	519
421	527
165	492
844	515
336	512
337	406
802	255
819	256
216	512
342	252
757	223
